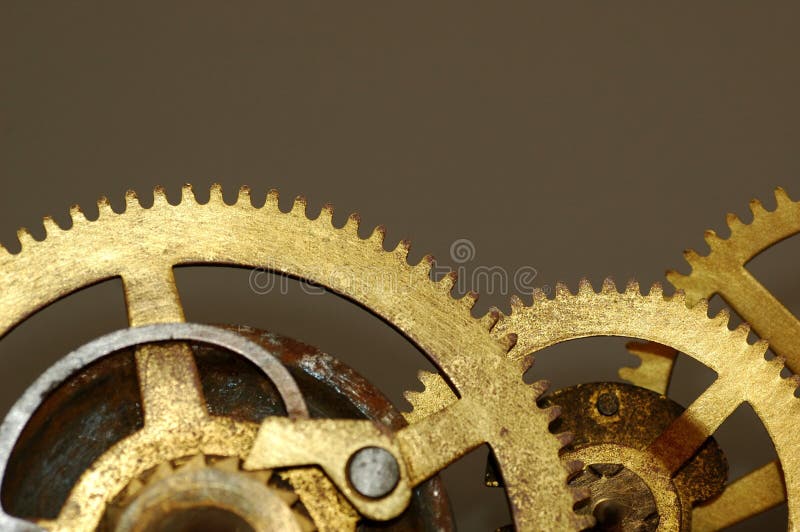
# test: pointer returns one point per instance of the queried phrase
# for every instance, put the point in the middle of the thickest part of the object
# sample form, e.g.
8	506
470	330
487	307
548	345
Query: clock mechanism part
169	425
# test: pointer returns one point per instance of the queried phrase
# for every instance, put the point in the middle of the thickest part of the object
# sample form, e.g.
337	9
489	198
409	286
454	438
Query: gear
142	245
722	272
149	502
743	376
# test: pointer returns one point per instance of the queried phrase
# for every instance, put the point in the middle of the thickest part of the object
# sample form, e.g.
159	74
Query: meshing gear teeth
743	376
142	245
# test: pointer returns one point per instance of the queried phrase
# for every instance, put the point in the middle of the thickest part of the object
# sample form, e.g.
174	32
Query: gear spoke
766	315
684	436
753	494
464	434
655	370
168	378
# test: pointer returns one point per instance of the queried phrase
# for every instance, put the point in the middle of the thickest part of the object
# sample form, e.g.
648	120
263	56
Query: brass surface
743	375
637	418
198	483
723	271
142	245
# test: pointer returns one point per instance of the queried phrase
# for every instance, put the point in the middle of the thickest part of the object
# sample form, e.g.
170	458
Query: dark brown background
590	139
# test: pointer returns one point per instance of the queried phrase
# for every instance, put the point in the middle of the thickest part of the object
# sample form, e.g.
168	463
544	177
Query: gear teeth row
244	199
230	464
435	396
740	246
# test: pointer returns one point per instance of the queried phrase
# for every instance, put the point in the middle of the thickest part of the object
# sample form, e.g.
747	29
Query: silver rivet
373	472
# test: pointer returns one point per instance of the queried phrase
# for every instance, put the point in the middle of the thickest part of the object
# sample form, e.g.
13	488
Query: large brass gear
723	271
142	245
743	375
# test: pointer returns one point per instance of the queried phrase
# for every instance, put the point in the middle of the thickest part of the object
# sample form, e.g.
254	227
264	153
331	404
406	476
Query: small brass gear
207	491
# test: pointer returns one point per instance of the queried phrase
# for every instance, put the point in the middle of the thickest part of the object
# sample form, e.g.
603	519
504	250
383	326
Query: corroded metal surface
100	405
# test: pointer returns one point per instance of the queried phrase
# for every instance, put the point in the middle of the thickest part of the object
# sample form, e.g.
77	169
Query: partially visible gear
630	417
142	245
212	493
743	376
723	272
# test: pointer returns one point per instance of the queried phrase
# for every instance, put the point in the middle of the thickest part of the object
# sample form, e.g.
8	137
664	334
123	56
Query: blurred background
571	139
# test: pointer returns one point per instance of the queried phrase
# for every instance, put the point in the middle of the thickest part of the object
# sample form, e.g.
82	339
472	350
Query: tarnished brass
479	397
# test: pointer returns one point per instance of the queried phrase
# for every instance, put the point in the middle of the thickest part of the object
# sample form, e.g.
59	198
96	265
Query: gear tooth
674	277
195	462
230	464
701	307
679	296
782	197
104	207
424	266
539	295
132	200
581	494
508	341
159	196
326	214
489	320
609	287
51	227
215	194
585	287
564	438
133	488
262	476
712	239
656	290
163	470
516	304
402	249
743	330
573	466
722	317
272	199
245	197
300	205
541	386
757	208
448	281
378	235
469	300
187	194
562	291
428	378
76	213
288	497
692	257
526	363
553	413
733	221
352	224
632	287
25	237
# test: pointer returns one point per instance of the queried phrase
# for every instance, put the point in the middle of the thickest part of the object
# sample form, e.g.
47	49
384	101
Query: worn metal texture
100	405
142	245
